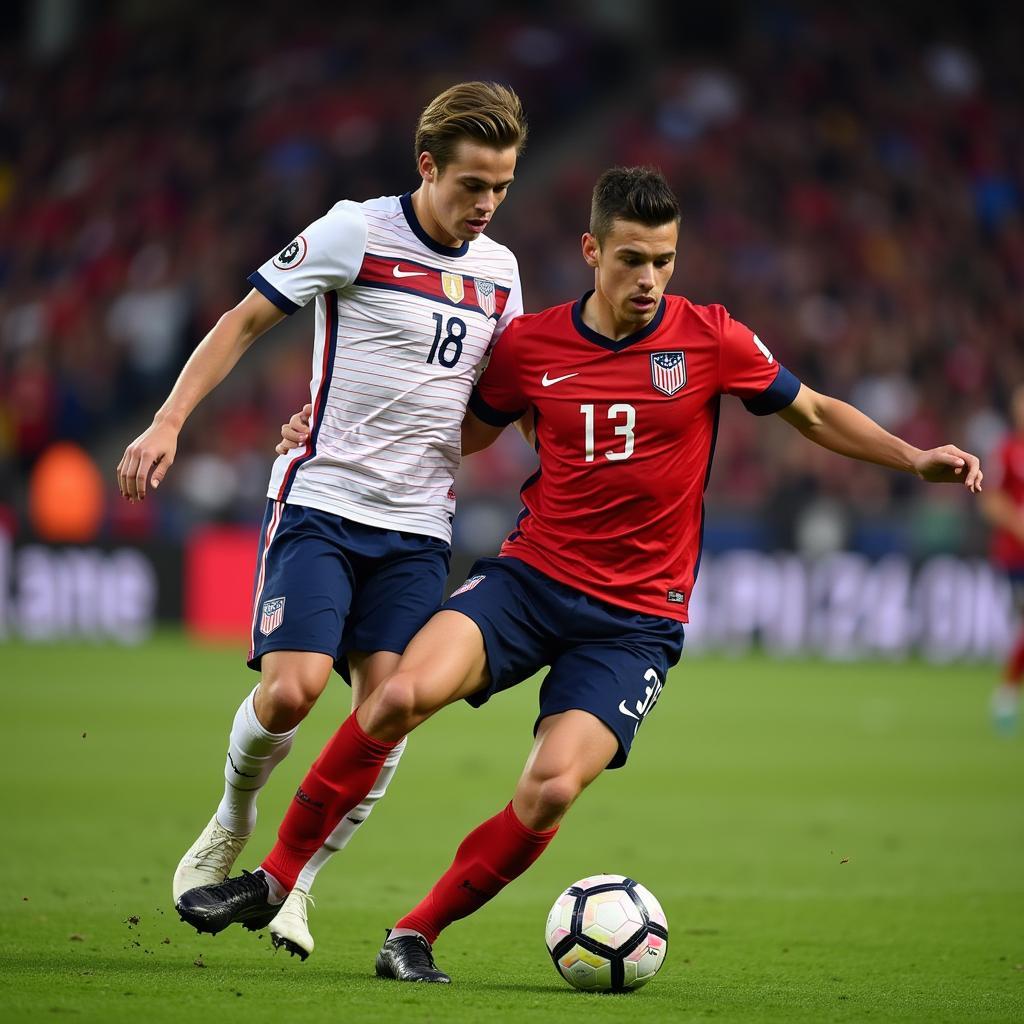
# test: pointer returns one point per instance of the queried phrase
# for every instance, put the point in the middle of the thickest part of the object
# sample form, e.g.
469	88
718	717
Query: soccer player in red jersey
595	579
1004	507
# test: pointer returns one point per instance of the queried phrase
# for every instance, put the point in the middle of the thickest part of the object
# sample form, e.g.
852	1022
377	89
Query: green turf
830	843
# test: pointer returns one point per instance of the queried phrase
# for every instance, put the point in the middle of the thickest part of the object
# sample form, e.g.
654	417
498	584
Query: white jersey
403	326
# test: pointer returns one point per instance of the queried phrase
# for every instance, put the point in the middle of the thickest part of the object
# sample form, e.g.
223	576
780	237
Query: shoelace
212	848
417	951
246	884
305	897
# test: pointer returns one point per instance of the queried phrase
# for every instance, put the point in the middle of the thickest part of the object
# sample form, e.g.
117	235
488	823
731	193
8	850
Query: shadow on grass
167	969
108	966
544	990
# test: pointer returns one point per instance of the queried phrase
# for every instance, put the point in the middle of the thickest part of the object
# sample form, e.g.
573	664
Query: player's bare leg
290	928
569	752
444	662
261	736
571	749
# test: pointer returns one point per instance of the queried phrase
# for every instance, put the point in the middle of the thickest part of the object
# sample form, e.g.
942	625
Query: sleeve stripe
779	394
490	415
268	291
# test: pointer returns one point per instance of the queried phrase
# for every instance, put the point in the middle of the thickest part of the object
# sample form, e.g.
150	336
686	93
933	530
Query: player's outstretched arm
151	454
842	428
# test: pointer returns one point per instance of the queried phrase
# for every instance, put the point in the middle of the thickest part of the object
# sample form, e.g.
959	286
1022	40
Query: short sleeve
326	255
497	398
751	372
513	306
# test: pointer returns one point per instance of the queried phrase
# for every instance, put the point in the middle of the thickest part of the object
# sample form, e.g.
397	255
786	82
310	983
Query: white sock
346	828
276	892
253	754
397	933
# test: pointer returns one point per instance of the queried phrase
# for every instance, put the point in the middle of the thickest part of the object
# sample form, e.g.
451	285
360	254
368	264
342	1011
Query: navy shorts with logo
607	660
328	584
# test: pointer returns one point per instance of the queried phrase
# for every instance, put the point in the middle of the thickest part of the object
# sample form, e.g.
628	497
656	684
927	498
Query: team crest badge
273	615
453	286
668	371
469	585
291	255
484	295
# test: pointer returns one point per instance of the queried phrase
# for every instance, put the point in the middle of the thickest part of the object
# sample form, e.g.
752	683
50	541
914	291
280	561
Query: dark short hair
483	112
638	194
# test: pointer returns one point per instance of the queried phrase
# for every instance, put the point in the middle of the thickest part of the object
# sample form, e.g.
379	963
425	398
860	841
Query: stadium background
851	188
832	841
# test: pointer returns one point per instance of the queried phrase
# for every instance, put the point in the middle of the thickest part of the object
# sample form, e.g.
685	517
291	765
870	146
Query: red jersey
625	434
1007	551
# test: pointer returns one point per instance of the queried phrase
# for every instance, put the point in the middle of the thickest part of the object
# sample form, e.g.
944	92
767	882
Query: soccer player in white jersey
410	297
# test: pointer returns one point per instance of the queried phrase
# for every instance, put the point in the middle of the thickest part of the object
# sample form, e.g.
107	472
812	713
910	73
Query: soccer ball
607	933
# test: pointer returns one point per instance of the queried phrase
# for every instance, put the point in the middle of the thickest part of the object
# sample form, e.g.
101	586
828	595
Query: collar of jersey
417	230
609	343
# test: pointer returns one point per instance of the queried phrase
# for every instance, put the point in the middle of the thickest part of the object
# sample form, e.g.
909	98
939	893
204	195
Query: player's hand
146	460
295	431
950	465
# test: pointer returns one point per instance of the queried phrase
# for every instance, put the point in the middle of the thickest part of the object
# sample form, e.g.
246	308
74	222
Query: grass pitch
830	843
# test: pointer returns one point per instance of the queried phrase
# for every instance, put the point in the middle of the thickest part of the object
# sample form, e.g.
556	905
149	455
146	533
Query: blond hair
484	112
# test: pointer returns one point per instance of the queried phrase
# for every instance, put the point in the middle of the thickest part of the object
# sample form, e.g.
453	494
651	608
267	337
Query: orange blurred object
66	496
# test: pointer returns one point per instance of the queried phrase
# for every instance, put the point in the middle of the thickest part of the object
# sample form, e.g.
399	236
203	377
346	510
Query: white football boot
290	930
209	860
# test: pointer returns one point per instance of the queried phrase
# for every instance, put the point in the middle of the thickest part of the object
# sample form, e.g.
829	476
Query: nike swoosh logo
235	769
398	272
547	381
626	711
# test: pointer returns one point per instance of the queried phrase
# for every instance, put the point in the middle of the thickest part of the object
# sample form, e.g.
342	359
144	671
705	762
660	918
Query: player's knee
287	699
554	795
395	706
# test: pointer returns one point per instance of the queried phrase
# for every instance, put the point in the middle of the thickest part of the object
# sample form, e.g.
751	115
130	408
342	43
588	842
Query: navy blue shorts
327	584
607	660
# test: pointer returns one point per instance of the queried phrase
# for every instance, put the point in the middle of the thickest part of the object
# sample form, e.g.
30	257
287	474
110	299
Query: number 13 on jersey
623	417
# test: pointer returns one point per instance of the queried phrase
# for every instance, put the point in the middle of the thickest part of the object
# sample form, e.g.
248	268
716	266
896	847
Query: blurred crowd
851	189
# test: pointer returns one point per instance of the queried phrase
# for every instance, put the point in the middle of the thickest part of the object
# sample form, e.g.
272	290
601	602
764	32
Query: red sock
490	857
340	778
1015	666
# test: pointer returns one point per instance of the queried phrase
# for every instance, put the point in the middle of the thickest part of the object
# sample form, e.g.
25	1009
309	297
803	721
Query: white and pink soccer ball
607	933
